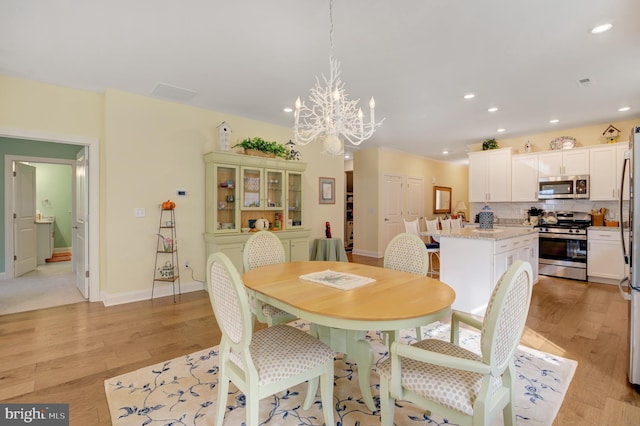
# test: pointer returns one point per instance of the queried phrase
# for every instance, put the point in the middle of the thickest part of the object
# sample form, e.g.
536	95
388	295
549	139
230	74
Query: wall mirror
441	200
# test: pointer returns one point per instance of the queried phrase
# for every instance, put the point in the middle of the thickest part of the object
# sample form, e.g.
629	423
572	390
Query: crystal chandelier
332	117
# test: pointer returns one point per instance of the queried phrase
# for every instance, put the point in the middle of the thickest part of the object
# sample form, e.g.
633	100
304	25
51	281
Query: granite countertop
605	228
495	234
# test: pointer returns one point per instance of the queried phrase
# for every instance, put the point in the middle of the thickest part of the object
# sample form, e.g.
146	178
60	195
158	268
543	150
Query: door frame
92	145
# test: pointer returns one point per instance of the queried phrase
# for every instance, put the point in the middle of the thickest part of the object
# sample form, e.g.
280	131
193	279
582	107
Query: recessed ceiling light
288	109
493	109
554	121
601	28
445	152
501	130
469	96
623	109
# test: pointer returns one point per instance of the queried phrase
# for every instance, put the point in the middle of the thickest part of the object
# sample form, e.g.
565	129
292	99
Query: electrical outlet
187	264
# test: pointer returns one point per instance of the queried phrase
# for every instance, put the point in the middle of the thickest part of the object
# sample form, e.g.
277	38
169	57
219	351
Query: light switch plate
139	212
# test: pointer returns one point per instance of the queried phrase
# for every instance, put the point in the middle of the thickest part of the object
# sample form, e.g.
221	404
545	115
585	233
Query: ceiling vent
175	93
584	82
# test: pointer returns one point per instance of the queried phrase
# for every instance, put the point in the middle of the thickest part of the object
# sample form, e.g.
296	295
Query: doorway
24	141
51	280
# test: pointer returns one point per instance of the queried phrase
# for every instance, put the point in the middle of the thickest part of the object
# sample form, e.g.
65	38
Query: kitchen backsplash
516	212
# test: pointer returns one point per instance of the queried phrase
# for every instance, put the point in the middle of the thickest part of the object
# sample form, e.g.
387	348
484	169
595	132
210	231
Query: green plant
260	144
489	144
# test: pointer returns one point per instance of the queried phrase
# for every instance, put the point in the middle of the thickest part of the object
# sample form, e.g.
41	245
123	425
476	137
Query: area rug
183	390
59	257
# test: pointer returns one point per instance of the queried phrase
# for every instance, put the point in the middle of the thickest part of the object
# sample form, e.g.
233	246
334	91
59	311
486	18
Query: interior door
80	228
415	198
25	240
392	223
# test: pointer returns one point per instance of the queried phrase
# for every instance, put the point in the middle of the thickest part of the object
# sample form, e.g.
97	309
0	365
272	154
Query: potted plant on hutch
262	148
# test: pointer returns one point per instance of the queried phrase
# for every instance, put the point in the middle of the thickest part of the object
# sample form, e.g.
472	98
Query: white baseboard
62	250
139	295
367	253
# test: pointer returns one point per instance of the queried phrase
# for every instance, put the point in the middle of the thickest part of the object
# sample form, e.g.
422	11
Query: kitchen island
473	259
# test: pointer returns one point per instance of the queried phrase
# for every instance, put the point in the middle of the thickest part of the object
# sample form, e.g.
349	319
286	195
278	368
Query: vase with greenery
489	144
258	144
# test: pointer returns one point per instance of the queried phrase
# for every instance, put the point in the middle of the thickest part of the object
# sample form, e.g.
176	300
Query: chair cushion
433	246
455	389
282	351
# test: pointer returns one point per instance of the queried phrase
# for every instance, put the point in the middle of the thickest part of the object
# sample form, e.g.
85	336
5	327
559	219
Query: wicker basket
257	153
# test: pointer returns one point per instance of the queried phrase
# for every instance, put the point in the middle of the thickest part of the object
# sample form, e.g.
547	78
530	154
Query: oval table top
394	296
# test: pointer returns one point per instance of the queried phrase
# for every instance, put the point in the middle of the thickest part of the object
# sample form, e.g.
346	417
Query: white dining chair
456	223
445	225
433	248
264	248
464	387
407	253
268	361
412	227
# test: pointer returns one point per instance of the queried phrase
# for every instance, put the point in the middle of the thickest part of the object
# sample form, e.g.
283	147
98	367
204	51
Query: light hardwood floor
64	354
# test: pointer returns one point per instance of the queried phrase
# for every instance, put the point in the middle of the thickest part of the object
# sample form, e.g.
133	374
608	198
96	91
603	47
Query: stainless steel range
563	246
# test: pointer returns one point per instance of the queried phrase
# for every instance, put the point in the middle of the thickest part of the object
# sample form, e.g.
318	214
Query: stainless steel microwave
563	187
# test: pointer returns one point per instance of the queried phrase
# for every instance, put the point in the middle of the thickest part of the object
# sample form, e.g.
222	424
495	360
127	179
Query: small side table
328	249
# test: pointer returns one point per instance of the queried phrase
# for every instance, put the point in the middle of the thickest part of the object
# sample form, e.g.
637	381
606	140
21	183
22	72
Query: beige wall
41	107
148	149
585	136
368	168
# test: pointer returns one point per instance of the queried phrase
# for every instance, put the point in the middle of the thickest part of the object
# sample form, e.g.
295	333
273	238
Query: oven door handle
563	237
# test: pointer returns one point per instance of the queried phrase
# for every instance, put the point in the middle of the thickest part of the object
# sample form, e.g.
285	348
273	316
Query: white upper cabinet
570	162
490	176
524	177
606	172
603	173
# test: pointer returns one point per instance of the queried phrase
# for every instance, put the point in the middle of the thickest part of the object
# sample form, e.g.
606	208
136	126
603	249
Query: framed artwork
327	190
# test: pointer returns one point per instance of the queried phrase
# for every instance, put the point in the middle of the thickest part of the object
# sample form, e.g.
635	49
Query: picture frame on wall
327	190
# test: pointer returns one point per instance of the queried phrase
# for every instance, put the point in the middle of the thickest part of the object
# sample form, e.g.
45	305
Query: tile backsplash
517	211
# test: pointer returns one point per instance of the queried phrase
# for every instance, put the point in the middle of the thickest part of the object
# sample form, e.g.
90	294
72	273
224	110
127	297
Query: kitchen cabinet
605	172
45	236
471	262
605	263
490	175
524	177
520	248
240	188
567	162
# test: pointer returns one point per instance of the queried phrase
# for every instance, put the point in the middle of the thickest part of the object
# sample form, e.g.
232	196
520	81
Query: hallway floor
52	284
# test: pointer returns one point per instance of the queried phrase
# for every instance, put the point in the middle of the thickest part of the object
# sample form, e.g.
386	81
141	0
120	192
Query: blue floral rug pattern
182	391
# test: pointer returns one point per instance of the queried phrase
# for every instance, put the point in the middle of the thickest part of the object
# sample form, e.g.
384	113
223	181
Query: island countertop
495	234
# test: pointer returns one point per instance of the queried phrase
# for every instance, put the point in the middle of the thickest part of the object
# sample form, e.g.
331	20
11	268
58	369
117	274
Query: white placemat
335	279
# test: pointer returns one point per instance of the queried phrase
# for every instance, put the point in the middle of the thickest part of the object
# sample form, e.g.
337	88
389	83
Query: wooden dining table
393	302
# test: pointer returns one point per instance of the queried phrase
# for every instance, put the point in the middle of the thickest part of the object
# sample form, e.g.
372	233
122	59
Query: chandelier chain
332	117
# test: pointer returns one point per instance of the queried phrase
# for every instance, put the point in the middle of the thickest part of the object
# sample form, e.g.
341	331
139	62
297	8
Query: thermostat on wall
181	192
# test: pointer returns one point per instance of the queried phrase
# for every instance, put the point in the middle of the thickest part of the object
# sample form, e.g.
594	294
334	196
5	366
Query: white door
81	245
415	198
392	223
25	247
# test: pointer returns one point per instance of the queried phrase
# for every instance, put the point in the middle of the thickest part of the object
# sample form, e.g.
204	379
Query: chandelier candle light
332	117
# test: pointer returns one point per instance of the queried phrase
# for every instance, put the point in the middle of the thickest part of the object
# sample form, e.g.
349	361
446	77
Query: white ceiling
417	57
